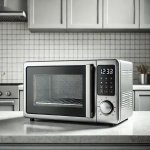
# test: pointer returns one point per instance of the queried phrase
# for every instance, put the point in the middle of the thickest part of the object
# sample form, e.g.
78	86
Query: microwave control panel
106	80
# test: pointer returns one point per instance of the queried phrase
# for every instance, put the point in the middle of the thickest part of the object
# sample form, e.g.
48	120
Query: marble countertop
141	87
14	128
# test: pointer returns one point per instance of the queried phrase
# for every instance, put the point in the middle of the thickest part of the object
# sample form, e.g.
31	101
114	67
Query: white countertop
14	128
141	87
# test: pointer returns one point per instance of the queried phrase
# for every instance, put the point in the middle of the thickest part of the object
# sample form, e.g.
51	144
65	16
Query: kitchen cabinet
142	100
83	14
88	14
47	14
121	14
51	14
144	13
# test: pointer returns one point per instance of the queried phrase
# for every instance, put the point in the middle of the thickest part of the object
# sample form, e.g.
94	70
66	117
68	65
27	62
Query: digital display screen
106	80
107	71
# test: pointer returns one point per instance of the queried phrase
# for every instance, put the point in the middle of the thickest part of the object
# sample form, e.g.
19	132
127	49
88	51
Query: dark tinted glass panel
56	90
106	80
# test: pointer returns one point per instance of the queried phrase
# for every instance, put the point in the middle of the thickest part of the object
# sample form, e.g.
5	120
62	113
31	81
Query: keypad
106	81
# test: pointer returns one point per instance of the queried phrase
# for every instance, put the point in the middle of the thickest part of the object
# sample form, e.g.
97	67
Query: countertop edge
139	139
141	87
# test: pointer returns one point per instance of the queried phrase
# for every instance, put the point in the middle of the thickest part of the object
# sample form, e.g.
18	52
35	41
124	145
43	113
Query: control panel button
101	86
106	107
106	86
111	78
111	91
105	91
1	93
101	91
8	93
110	86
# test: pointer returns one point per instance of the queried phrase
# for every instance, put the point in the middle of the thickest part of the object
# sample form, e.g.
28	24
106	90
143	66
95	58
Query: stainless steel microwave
87	91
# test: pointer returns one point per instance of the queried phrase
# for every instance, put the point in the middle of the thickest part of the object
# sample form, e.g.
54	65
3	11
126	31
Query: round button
1	93
8	93
106	107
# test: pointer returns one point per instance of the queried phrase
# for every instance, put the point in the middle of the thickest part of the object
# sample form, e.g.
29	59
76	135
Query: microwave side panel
126	90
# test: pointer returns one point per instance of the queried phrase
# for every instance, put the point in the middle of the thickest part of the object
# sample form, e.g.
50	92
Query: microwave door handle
88	91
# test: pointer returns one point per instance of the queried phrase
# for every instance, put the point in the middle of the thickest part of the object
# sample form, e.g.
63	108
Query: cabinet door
84	14
9	105
47	14
142	100
144	13
121	14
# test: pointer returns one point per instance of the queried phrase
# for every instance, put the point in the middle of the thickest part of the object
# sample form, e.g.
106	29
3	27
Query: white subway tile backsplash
18	44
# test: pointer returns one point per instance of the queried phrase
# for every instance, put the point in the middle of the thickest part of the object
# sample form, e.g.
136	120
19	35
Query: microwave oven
97	91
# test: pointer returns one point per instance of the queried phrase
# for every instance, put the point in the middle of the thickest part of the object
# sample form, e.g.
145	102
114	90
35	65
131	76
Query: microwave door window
58	90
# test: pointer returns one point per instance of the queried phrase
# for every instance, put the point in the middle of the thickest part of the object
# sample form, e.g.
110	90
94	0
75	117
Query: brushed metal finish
113	117
9	98
13	103
13	14
118	100
88	91
7	102
126	90
9	91
13	11
106	107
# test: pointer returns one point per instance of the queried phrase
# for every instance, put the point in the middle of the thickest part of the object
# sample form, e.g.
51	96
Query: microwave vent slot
126	92
126	104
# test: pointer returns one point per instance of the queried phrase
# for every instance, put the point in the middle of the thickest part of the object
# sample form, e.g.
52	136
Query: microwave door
63	90
89	87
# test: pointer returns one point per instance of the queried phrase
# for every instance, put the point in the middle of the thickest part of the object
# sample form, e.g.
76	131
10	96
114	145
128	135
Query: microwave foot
31	119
